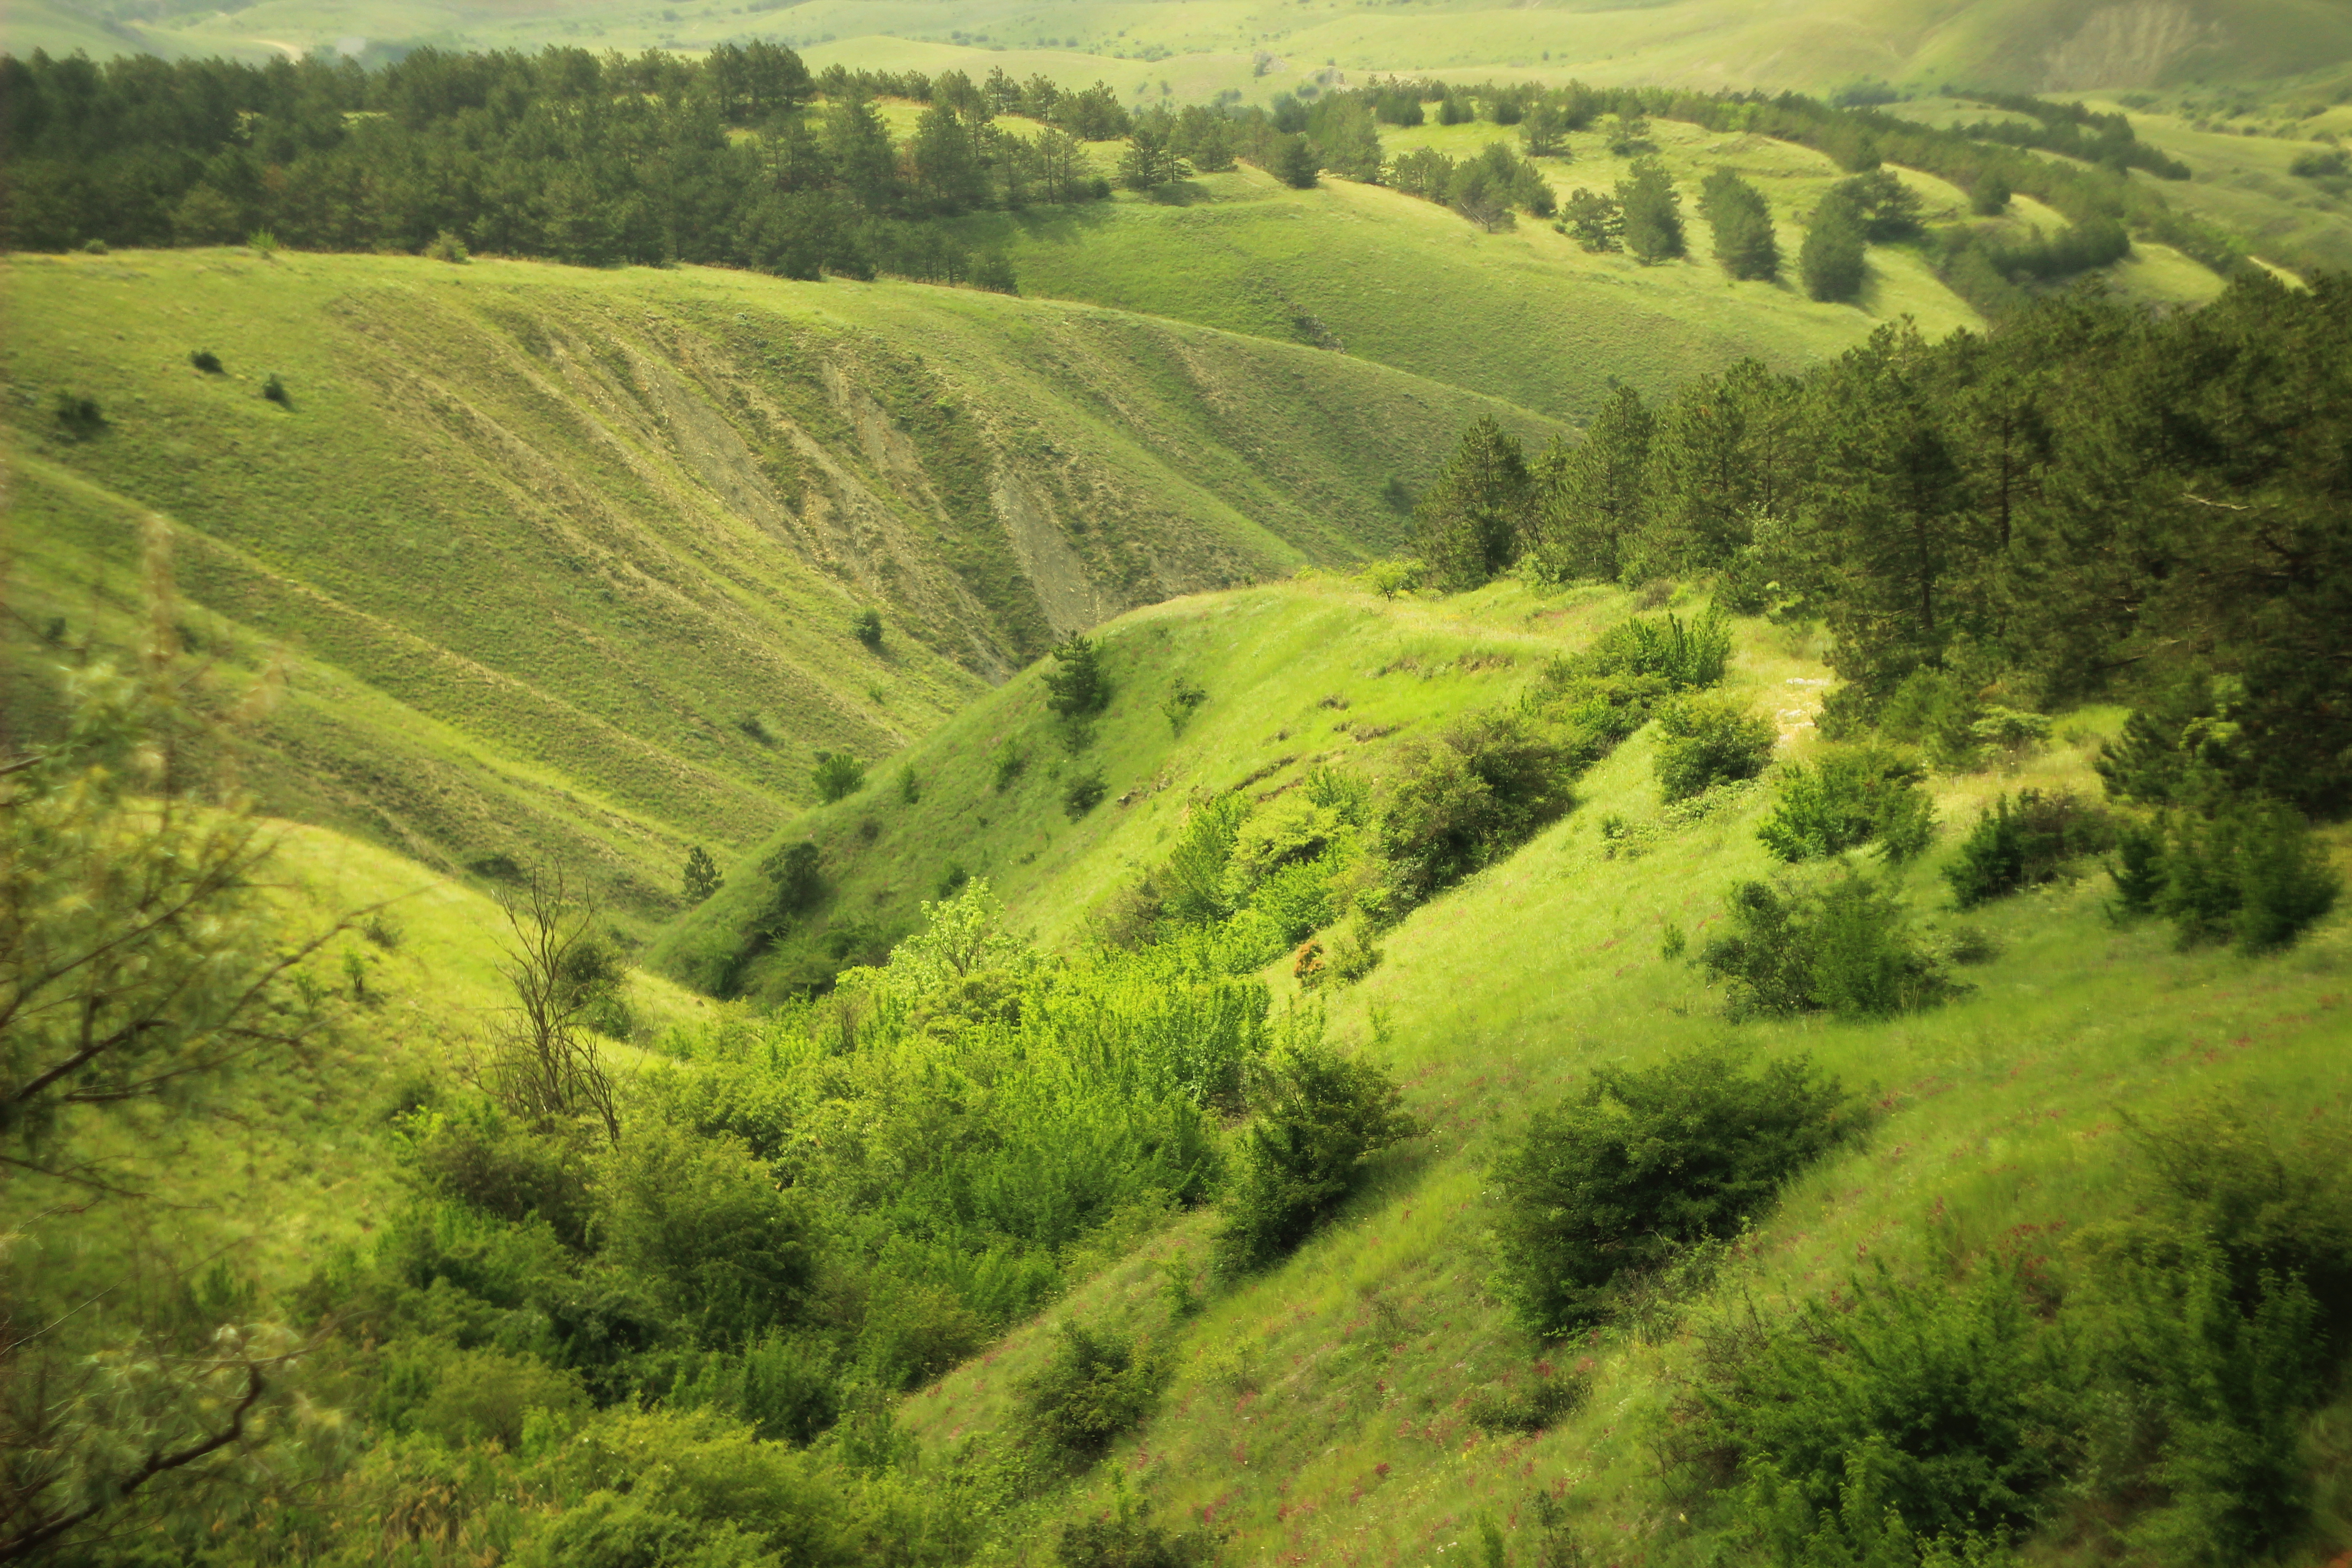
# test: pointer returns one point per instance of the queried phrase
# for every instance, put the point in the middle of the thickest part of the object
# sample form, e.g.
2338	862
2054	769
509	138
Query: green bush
78	417
1617	1183
867	627
1456	802
2252	874
1094	1389
1183	701
448	247
1123	1540
2025	845
1083	792
797	872
477	1156
1318	1116
699	878
1852	796
1934	710
1845	948
1706	741
206	361
1689	655
727	1250
1007	763
1536	1406
837	775
275	391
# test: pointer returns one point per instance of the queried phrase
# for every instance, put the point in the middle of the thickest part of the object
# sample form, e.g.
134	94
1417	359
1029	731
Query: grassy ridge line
632	512
1318	1414
1298	674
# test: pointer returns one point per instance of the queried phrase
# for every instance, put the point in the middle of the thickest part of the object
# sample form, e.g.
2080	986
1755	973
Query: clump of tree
2026	843
1485	189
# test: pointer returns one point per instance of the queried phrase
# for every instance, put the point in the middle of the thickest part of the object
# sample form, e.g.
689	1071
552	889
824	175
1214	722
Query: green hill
565	562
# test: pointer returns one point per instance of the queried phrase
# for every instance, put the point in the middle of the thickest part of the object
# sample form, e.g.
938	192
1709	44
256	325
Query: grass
1318	1414
565	561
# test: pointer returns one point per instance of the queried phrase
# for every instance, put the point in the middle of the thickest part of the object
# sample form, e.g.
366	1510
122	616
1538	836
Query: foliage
796	873
1592	500
1122	1539
1184	698
1706	741
1653	209
1831	262
1317	1117
867	627
1597	222
77	417
837	775
2250	874
1742	223
1456	802
1852	796
1083	792
2025	846
1612	1185
1844	947
1076	687
1469	522
700	877
1687	656
1547	1399
1093	1391
543	1064
275	391
206	361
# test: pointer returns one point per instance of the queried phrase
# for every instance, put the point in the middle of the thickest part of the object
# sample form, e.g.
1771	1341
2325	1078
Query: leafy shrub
1689	655
1707	741
1094	1389
1466	798
1317	1117
1845	948
477	1396
1932	709
1083	793
2252	873
1124	1539
783	1386
1853	795
206	361
274	390
1535	1406
1007	763
867	627
1620	1179
798	876
837	775
78	417
478	1157
729	1252
1076	687
448	247
1390	577
699	878
1183	701
2025	846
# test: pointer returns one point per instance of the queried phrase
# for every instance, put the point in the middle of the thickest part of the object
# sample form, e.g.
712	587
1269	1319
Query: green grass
565	561
1318	1414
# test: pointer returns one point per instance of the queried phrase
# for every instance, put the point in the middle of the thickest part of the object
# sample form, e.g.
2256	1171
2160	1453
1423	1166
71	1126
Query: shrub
1536	1406
1618	1181
1319	1117
1182	700
2250	874
1845	948
1076	688
1390	577
1707	741
1083	793
1459	802
448	247
1007	763
2025	846
1093	1389
728	1250
480	1157
1122	1539
799	878
1689	655
837	775
992	270
867	627
78	417
910	788
1853	795
699	878
1933	711
206	361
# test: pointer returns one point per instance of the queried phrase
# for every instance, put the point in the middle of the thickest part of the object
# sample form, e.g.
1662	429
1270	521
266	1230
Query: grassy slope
1317	1414
566	559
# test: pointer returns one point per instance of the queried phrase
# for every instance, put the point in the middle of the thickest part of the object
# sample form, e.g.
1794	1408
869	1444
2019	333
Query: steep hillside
565	562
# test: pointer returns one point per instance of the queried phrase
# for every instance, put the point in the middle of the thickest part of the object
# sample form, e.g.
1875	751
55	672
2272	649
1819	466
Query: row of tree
2095	498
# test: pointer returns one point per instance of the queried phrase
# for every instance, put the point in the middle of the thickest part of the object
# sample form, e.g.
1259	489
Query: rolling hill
564	563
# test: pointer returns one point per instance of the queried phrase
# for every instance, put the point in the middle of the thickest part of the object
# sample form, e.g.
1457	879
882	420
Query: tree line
2093	501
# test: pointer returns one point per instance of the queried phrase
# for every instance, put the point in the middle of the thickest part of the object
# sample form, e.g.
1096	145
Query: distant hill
565	562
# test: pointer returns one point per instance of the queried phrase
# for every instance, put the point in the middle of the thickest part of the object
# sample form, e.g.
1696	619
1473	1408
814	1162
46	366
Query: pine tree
1742	224
1589	519
1654	218
1471	519
701	875
1831	264
1594	219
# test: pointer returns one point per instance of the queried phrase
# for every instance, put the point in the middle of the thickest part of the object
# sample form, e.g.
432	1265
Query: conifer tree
1471	519
1654	218
1742	223
1831	263
1589	519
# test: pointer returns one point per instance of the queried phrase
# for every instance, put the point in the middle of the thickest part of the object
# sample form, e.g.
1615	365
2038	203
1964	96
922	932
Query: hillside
1256	49
564	563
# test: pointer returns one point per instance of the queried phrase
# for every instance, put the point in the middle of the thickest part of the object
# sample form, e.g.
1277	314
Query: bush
1076	688
1537	1407
1007	763
797	872
1853	795
480	1157
274	390
448	247
2025	846
1319	1117
1689	655
1390	577
1614	1184
1182	700
1707	741
2250	874
728	1251
867	627
1121	1540
1460	801
1083	793
699	878
206	361
1094	1389
1846	948
78	417
837	775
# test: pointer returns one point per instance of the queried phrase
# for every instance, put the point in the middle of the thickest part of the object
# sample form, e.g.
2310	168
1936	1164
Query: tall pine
1589	519
1653	216
1831	263
1742	225
1471	519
